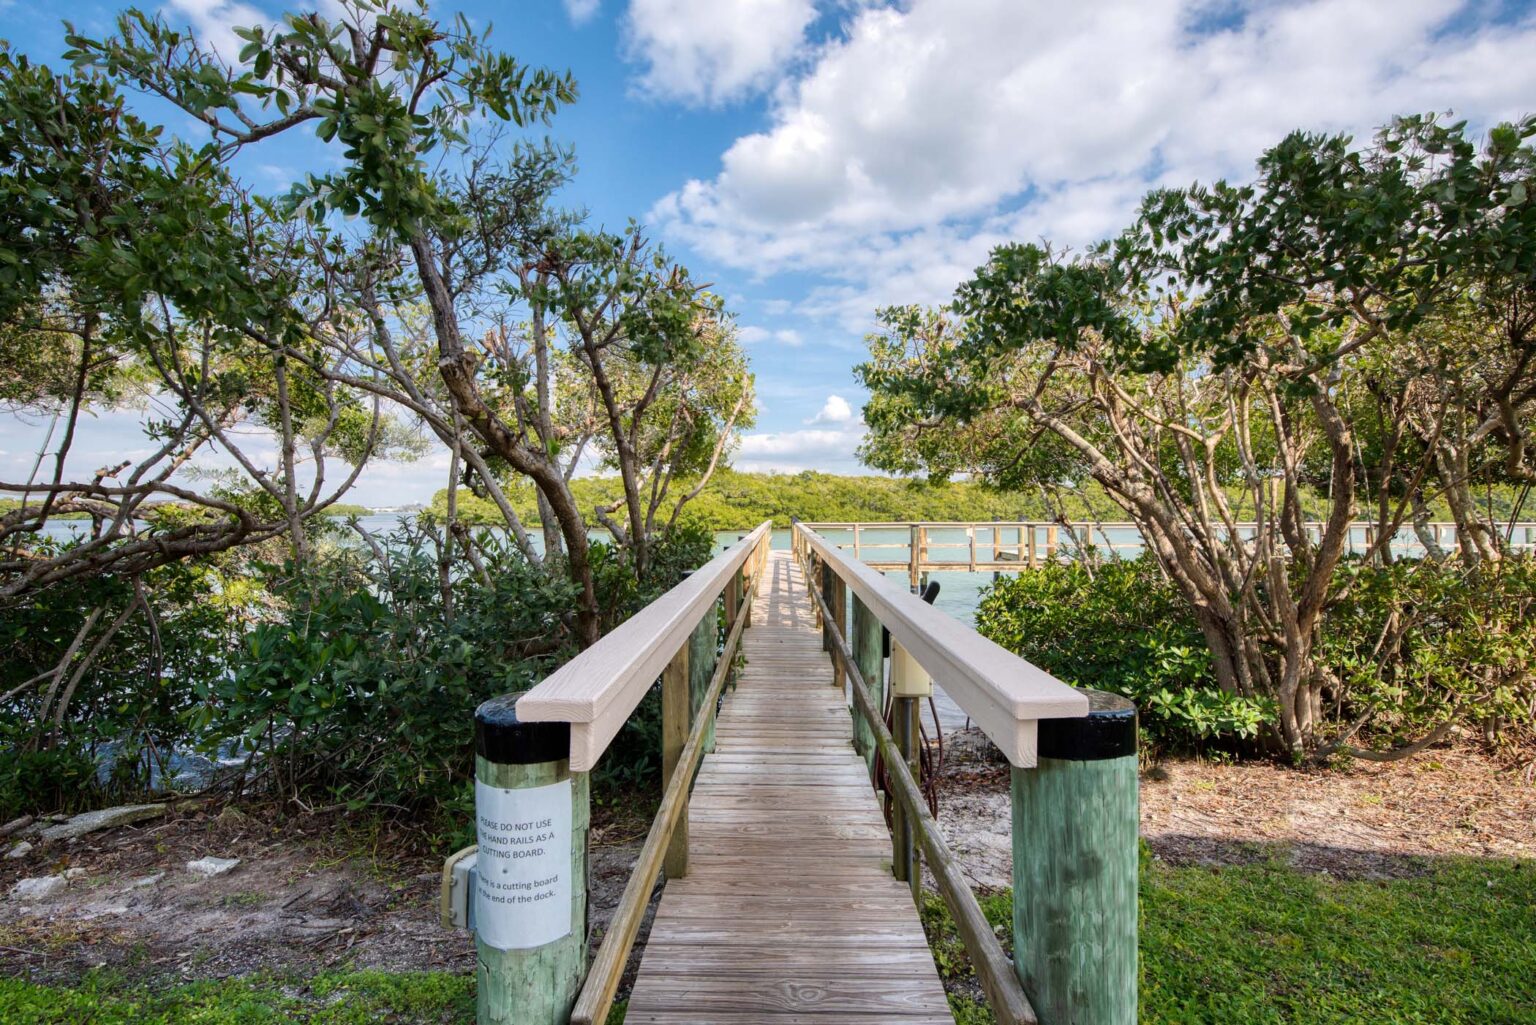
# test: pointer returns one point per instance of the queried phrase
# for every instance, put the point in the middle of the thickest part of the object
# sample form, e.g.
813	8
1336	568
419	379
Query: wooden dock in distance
789	913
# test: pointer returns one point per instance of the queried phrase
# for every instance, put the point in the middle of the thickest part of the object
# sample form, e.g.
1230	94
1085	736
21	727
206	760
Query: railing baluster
871	660
676	721
909	684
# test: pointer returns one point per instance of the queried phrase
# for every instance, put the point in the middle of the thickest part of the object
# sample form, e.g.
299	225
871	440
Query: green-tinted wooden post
676	722
868	653
828	582
1075	819
837	599
703	653
734	593
909	861
530	900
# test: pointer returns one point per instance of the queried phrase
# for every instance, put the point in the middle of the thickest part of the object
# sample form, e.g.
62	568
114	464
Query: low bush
1411	649
1417	646
60	778
362	688
106	670
1122	628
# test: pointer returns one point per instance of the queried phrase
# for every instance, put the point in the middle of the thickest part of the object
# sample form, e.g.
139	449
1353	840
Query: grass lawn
345	998
1261	943
1244	945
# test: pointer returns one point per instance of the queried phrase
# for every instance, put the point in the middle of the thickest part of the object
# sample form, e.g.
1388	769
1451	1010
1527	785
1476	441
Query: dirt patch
310	894
323	892
1362	819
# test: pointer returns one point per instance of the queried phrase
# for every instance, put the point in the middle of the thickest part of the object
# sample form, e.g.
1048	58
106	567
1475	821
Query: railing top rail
1001	692
1094	524
598	689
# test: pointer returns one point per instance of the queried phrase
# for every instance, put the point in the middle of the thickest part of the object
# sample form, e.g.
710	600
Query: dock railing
534	751
1074	790
1006	546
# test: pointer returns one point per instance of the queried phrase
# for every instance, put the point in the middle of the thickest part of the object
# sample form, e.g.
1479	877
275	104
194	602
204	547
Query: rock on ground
38	887
211	867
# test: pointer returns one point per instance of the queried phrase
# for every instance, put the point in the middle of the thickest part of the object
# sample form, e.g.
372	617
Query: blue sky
816	160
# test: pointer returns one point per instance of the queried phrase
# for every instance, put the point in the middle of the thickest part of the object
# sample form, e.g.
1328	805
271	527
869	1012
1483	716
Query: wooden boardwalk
789	913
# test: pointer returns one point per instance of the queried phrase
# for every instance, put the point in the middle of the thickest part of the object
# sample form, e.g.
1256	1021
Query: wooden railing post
837	598
703	650
914	560
825	579
1050	543
676	704
869	654
734	593
909	684
1075	819
531	911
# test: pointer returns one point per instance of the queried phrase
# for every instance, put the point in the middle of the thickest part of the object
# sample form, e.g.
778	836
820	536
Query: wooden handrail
598	689
1001	692
1005	993
1096	525
602	983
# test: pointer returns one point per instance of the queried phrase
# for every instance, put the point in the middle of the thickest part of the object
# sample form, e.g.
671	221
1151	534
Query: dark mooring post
1075	819
530	896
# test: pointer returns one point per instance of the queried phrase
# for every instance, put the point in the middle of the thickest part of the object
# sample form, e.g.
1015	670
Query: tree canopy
426	280
1356	324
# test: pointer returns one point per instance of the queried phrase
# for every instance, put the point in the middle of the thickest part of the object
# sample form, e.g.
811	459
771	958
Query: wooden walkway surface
789	913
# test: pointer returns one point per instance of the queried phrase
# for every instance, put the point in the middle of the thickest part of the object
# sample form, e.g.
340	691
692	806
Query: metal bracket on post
455	909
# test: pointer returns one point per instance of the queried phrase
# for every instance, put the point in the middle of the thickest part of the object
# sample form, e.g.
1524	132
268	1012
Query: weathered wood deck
789	913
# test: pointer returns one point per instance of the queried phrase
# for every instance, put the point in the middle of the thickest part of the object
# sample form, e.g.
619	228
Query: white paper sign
523	890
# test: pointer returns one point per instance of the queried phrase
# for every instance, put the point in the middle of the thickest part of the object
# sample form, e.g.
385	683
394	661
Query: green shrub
1417	644
1410	647
52	779
128	682
1121	628
363	687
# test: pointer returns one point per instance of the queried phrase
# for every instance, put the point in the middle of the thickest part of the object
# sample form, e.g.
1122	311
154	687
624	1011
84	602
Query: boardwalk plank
788	914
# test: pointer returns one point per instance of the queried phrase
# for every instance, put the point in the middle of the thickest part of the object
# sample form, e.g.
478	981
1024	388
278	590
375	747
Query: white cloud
930	132
834	411
581	11
814	448
214	22
786	336
709	52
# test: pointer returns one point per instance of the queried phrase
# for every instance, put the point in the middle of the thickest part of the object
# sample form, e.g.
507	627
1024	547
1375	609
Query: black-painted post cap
502	738
1107	731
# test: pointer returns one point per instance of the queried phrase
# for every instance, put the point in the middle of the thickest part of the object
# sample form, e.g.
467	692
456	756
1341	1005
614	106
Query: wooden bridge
788	907
792	830
998	546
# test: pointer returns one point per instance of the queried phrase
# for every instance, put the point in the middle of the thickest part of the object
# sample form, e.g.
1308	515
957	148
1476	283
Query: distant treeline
739	501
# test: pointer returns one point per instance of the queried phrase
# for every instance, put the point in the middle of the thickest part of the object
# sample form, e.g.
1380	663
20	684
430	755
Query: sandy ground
309	894
313	893
1363	819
